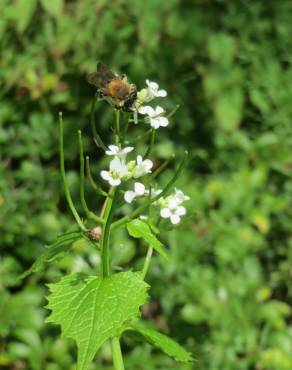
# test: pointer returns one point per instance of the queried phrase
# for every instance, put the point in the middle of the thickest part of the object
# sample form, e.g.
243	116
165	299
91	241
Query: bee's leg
100	94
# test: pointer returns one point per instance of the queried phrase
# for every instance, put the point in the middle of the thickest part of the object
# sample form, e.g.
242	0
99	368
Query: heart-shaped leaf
91	309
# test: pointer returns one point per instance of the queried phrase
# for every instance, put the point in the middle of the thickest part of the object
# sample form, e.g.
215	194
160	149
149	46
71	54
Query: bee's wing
93	78
105	74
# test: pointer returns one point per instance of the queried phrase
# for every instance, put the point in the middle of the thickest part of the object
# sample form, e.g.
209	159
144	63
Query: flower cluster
120	170
154	116
170	207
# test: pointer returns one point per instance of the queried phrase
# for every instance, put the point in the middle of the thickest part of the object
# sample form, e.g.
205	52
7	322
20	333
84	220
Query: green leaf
228	109
62	245
164	343
24	10
53	7
92	309
140	229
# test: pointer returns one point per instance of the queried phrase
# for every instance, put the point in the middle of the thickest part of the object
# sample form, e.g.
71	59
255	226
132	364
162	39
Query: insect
113	88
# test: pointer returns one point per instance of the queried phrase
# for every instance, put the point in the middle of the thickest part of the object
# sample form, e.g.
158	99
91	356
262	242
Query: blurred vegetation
227	294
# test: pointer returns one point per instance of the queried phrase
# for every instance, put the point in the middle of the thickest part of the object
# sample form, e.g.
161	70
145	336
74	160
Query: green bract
62	245
140	229
161	341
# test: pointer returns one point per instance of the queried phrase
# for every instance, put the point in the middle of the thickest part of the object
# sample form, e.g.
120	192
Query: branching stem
97	138
63	175
158	170
117	354
150	147
87	211
117	126
147	262
94	186
108	213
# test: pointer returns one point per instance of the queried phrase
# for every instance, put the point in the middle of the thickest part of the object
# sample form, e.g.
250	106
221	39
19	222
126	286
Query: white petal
159	110
139	159
115	164
148	164
114	182
163	121
180	196
180	211
146	110
105	175
127	149
113	149
153	85
165	213
173	202
139	188
175	219
162	93
129	196
123	171
155	192
154	122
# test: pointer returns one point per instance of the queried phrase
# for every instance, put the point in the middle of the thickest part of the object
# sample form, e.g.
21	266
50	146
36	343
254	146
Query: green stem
87	211
96	188
150	147
147	261
137	138
97	138
171	113
150	248
126	126
117	126
117	354
157	172
140	209
108	212
104	242
63	175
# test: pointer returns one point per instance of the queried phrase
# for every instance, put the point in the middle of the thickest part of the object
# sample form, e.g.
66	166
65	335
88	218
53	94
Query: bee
113	88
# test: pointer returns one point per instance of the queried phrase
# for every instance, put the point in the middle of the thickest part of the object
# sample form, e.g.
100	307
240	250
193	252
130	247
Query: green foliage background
227	294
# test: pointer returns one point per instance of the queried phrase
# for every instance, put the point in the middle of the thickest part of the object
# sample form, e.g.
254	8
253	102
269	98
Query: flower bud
95	233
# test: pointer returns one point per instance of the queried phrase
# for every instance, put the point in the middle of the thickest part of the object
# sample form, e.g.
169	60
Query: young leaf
26	8
140	229
164	343
53	7
91	309
62	245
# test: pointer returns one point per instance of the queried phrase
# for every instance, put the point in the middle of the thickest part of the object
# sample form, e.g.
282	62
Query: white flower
139	190
117	171
142	167
179	197
118	152
155	116
154	192
153	91
171	206
173	213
